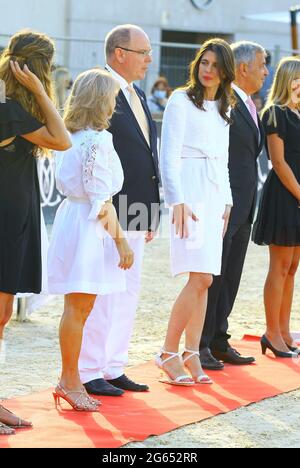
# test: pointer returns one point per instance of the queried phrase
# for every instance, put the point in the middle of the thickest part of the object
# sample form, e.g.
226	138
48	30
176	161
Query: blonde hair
281	92
92	101
36	50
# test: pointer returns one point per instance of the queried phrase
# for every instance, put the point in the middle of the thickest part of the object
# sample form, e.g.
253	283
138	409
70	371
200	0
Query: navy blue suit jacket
138	204
245	148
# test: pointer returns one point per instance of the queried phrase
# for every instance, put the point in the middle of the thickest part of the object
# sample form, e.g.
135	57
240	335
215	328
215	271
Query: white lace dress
82	256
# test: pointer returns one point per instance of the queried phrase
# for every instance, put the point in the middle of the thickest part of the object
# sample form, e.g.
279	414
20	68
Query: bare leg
6	310
194	331
77	310
188	313
287	301
280	264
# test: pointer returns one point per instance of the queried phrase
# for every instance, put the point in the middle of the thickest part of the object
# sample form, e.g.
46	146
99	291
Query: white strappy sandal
6	430
201	379
181	380
20	423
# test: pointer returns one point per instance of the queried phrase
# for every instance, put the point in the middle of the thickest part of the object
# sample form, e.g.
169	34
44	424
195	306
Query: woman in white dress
89	175
194	164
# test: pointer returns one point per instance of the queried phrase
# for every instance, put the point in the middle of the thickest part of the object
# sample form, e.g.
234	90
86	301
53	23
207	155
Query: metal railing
169	59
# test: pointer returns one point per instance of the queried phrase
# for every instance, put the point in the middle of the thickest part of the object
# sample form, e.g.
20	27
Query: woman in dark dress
28	122
278	222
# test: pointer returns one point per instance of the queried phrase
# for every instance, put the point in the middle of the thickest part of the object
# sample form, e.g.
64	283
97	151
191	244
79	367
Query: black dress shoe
125	383
232	356
100	387
208	362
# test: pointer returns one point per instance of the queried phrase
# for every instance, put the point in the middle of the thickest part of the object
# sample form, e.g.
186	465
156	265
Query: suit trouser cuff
113	373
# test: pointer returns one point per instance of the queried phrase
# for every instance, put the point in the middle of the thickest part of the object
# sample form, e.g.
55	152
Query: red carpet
135	417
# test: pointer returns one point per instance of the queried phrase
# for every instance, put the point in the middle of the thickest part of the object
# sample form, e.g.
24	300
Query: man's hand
226	217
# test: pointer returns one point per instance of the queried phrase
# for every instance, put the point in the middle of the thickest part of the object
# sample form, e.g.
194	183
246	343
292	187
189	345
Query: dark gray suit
246	144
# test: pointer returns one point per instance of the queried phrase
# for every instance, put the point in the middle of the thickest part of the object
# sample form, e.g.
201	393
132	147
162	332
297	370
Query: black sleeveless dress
278	221
20	230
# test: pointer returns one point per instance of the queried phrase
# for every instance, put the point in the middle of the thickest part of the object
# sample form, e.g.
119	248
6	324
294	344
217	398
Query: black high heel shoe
294	350
265	344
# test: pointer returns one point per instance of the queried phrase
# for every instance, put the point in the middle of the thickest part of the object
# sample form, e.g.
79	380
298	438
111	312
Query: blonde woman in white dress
194	164
86	224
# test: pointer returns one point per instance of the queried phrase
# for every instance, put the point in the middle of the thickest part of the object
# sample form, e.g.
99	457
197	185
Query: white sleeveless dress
82	256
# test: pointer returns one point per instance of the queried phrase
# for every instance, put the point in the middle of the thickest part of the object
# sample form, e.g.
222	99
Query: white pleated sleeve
97	173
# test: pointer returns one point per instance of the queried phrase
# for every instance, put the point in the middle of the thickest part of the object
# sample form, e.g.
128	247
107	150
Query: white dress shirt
244	97
123	83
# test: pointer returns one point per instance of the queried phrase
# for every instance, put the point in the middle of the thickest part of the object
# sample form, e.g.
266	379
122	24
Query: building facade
169	21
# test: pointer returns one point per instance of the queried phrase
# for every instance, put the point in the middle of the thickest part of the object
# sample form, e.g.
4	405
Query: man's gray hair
119	37
246	51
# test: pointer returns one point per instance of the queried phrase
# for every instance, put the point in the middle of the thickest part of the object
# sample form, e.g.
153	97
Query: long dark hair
226	67
37	51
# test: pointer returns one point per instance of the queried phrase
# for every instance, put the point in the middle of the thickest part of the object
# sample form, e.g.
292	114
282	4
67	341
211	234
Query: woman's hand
226	217
296	91
126	254
181	216
28	79
150	236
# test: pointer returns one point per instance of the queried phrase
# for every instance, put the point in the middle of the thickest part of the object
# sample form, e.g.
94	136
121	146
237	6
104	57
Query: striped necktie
253	110
139	113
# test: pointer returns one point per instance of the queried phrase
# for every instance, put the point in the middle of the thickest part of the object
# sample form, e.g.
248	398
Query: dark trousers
222	294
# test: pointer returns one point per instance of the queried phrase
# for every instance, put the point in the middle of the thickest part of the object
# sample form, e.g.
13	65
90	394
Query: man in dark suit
246	143
108	331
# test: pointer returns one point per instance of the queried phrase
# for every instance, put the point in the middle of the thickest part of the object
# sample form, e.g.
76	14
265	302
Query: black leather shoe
294	350
100	387
266	344
232	356
209	362
125	383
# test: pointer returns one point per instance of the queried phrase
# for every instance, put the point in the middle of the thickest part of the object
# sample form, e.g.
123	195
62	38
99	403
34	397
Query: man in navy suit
108	330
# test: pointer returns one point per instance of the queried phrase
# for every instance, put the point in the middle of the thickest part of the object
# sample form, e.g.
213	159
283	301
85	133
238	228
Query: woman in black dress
28	122
278	222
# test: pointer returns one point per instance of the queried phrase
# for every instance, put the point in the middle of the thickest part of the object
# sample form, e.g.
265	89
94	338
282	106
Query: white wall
93	18
42	15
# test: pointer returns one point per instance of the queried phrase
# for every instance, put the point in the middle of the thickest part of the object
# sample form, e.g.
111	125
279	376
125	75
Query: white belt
211	166
80	201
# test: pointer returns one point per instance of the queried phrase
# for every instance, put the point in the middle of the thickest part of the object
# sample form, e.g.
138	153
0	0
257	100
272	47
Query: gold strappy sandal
83	403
